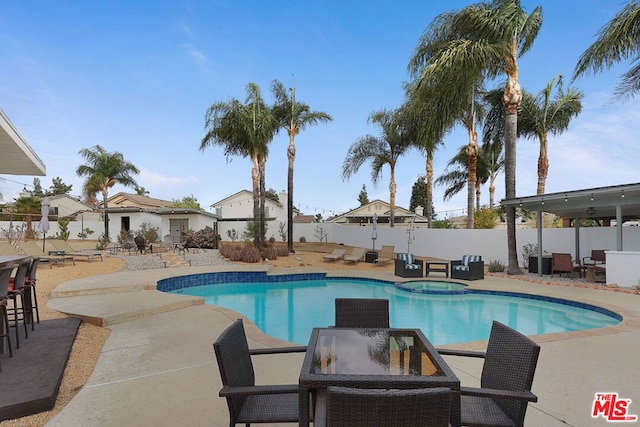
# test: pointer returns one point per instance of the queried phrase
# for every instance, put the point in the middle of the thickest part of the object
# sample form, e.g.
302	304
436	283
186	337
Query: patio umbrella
44	221
374	232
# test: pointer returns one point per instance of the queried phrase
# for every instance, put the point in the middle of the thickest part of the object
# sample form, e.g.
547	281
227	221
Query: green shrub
496	266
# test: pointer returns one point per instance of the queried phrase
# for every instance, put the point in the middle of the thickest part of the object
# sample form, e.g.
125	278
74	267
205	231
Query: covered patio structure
18	158
619	202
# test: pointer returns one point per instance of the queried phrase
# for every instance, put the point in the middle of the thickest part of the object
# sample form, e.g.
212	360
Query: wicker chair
362	313
507	375
5	275
351	407
247	402
408	266
470	267
562	263
18	290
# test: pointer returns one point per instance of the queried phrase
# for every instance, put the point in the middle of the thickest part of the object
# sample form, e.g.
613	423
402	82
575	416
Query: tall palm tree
456	174
380	151
484	38
542	115
455	76
618	40
244	130
292	116
103	170
419	110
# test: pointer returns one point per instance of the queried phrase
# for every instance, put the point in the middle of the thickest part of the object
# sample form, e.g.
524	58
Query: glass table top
371	352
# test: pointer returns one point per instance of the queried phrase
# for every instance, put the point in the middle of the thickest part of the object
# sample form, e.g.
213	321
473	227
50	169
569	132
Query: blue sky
138	77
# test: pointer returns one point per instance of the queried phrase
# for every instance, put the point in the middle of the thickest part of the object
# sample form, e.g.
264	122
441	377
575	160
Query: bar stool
5	275
19	290
30	282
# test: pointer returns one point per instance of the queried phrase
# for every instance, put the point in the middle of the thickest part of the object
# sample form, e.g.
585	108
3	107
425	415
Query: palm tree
383	150
141	191
103	170
293	117
484	38
244	130
458	91
419	111
456	174
542	115
618	40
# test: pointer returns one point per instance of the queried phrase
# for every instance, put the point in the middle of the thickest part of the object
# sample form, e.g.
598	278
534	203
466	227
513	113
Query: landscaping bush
496	266
282	250
271	253
249	254
205	238
303	239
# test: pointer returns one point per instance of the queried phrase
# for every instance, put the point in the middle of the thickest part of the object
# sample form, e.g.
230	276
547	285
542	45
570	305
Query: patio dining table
380	358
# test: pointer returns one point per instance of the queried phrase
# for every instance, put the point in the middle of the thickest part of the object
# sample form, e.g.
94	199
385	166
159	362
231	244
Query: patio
144	357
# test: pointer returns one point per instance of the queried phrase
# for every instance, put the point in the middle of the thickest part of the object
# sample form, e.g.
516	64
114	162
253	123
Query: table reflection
371	352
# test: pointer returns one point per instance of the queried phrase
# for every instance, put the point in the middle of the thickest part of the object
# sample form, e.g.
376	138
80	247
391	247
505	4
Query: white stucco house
130	211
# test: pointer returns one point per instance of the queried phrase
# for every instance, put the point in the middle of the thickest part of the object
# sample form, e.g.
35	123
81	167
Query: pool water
289	310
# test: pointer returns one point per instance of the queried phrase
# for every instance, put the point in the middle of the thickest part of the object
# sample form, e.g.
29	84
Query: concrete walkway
158	366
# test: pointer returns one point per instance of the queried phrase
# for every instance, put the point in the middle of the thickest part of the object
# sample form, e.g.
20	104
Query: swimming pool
289	306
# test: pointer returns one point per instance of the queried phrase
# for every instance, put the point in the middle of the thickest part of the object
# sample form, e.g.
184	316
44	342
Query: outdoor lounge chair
62	245
33	249
247	402
353	407
408	266
505	384
562	263
362	313
470	267
598	257
386	255
335	255
357	255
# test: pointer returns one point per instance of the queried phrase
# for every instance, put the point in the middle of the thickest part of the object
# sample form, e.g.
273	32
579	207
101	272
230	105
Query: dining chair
5	276
17	290
30	283
248	402
362	313
353	407
505	384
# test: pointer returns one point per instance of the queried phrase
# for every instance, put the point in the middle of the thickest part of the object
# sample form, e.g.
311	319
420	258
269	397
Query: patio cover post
539	225
619	228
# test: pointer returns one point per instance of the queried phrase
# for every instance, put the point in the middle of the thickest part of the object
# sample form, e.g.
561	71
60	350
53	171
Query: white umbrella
374	232
44	221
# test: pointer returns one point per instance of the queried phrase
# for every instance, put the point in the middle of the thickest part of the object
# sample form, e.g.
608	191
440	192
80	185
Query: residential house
130	211
364	214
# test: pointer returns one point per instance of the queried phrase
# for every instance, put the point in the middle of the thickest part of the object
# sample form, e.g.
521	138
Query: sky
138	78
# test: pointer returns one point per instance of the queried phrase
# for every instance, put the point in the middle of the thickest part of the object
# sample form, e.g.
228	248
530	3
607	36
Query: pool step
118	307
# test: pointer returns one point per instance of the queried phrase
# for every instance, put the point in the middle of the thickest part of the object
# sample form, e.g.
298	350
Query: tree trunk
291	155
263	220
255	180
492	189
429	183
392	197
512	99
105	195
472	155
543	165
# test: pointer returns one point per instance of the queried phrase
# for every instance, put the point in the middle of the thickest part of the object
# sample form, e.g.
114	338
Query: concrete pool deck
158	366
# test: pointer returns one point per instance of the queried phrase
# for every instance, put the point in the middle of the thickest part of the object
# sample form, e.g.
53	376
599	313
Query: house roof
140	200
244	194
363	211
590	203
160	211
18	158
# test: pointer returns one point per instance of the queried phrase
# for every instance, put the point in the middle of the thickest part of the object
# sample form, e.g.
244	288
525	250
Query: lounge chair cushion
466	259
410	261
